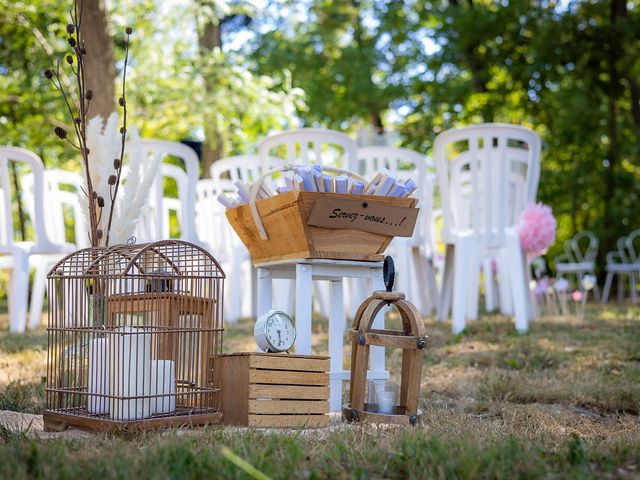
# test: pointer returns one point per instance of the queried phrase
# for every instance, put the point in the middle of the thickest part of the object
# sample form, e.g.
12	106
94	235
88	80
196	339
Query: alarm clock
274	332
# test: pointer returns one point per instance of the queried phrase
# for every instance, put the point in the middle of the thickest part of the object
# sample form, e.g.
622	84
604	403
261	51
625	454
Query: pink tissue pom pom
537	228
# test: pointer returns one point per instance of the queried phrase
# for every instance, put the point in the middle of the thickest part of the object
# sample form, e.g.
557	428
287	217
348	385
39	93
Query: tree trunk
100	69
617	9
213	148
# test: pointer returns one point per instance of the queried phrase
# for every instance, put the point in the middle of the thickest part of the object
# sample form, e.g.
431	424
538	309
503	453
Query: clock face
280	332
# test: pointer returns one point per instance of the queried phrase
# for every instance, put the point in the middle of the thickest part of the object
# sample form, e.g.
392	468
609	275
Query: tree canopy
230	72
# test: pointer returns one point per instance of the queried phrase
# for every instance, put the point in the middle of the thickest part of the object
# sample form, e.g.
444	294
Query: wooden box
273	390
285	219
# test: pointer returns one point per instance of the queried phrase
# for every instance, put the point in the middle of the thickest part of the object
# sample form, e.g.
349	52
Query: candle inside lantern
130	374
98	382
386	397
163	383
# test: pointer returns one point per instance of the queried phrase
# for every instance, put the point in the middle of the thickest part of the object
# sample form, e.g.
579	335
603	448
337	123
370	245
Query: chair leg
37	294
264	291
607	287
620	292
489	284
303	308
463	258
19	294
633	286
596	288
337	322
532	307
425	275
446	290
517	281
504	287
473	294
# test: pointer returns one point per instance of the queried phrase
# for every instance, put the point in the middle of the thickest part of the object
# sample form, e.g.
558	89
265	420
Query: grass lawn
561	401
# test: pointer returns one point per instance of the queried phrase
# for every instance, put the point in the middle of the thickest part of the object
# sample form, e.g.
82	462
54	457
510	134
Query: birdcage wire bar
134	332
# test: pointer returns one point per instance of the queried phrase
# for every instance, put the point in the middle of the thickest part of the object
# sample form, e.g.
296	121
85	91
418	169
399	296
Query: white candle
98	376
386	402
130	374
163	382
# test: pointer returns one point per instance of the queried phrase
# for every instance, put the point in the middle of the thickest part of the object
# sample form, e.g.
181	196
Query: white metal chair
311	145
154	224
14	255
62	197
416	274
623	262
579	258
475	168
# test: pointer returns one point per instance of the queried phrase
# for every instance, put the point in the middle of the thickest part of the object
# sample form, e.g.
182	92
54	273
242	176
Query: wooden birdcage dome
176	257
134	334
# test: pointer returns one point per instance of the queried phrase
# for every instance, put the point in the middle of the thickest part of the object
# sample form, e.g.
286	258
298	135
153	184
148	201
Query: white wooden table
304	272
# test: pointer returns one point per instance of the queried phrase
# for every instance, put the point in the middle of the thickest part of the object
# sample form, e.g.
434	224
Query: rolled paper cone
386	184
297	182
373	184
317	178
243	191
288	180
410	186
342	183
327	180
98	381
283	189
308	184
226	201
397	190
130	374
163	383
316	167
357	188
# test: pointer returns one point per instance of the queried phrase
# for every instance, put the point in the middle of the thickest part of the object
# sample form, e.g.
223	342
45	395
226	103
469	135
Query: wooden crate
273	390
285	221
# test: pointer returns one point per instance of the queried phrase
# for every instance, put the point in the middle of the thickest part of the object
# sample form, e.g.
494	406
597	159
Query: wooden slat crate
285	219
273	390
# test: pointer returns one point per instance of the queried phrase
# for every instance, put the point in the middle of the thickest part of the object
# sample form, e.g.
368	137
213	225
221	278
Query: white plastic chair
311	145
154	224
308	146
579	258
335	149
14	255
221	237
415	272
62	196
476	167
623	262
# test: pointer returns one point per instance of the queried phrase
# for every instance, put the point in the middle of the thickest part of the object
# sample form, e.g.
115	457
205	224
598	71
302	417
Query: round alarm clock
274	332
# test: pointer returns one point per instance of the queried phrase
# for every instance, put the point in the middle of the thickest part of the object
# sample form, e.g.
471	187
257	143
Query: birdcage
133	336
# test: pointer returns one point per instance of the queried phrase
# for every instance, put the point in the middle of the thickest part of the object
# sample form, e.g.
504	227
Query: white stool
304	271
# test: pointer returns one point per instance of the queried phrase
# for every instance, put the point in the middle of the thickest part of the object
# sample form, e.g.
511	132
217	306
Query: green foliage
568	72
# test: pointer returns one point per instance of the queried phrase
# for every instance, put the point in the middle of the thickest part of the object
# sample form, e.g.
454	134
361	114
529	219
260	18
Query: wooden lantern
411	339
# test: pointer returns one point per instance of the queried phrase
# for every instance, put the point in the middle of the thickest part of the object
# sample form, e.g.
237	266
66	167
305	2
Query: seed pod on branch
112	180
60	132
